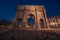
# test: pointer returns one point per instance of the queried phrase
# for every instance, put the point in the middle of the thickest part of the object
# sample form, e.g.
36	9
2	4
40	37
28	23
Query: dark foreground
29	35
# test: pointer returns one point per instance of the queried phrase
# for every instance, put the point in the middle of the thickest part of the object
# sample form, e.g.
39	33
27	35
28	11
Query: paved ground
29	35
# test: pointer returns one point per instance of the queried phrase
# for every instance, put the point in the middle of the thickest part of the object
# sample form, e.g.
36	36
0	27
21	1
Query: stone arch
41	23
31	20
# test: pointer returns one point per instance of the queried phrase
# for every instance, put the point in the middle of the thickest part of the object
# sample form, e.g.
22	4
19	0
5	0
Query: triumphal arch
31	17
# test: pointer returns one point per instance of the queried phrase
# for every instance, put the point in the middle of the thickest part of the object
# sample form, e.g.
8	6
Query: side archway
41	23
20	22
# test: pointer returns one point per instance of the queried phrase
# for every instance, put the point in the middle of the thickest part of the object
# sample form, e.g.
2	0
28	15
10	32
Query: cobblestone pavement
29	35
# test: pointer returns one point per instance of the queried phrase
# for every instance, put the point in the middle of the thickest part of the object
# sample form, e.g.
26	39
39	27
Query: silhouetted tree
4	22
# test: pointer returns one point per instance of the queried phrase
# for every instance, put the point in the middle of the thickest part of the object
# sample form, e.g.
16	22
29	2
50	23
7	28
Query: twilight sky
8	7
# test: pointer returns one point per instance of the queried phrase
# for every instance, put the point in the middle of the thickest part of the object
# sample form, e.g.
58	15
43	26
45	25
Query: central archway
31	20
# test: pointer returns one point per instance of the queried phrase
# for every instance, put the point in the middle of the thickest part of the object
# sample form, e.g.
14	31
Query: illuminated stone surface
38	13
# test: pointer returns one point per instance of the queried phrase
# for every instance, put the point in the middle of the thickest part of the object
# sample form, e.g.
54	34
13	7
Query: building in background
54	21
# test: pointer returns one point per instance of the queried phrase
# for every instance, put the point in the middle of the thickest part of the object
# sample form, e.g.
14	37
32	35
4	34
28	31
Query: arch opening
41	23
20	22
31	20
